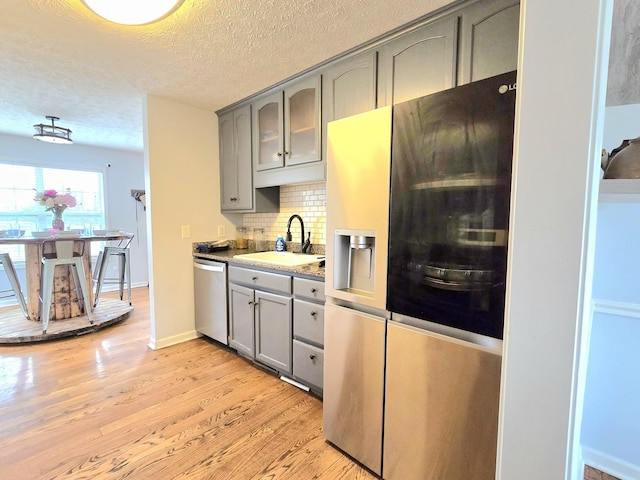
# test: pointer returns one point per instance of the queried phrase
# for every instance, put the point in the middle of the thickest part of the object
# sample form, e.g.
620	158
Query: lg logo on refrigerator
506	88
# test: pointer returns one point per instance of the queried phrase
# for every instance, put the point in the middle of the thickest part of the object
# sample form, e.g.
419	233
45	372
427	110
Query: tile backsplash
309	200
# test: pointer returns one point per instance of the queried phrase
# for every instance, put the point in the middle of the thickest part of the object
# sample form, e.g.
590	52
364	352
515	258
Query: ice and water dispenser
355	261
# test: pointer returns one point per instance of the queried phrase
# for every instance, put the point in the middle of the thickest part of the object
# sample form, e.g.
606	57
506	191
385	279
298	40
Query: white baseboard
610	464
156	344
114	287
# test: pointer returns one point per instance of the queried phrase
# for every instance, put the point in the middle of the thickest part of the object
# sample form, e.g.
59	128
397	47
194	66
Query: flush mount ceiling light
52	133
133	12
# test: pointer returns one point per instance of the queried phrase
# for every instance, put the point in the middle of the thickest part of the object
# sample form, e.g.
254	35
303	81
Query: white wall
611	420
123	171
183	189
561	88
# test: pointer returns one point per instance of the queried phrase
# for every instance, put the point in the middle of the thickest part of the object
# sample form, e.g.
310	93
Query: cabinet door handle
250	303
313	314
279	154
312	357
314	290
255	279
286	153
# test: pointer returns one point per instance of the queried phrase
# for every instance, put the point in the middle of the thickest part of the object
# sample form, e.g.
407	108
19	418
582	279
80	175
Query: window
18	210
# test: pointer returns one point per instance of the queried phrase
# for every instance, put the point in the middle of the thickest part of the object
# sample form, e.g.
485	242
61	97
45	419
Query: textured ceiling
60	59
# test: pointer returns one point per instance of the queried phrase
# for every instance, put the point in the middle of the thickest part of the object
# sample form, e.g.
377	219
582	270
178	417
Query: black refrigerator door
450	192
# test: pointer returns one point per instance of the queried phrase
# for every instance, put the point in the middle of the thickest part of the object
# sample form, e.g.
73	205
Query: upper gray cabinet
235	159
237	193
268	138
418	63
488	39
348	88
286	135
288	131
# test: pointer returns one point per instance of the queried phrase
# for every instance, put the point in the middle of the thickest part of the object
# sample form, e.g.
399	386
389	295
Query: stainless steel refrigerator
355	284
414	323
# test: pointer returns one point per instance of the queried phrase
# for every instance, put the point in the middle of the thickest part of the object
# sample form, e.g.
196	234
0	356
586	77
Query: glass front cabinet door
268	138
287	126
302	122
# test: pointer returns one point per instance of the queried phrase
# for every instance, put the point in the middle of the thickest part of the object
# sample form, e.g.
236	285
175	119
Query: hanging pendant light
133	12
52	133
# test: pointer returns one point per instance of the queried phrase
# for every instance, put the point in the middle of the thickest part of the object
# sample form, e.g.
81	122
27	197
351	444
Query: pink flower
53	201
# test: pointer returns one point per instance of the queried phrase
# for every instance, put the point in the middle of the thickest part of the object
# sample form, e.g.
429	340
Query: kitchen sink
288	259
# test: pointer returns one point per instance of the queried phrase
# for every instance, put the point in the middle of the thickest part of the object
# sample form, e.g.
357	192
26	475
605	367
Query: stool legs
127	265
48	274
46	290
124	271
10	270
103	260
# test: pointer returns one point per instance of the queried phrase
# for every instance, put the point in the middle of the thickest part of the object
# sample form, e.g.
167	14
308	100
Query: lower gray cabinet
273	330
278	320
260	316
241	313
308	364
308	332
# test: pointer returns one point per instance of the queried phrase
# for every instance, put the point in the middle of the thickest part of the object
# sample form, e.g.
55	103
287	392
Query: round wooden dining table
65	301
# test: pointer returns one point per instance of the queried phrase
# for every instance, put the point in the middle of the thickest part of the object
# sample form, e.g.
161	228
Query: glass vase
57	223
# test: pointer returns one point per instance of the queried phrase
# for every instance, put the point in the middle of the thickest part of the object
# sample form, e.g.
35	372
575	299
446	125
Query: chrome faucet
304	247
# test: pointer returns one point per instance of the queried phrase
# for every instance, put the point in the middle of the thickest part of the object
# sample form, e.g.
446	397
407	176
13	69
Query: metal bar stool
64	254
16	291
121	251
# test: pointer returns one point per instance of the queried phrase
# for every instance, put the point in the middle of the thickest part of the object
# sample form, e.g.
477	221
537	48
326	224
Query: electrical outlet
221	231
186	231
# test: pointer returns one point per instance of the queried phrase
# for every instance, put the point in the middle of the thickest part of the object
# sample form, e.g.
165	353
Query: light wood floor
105	406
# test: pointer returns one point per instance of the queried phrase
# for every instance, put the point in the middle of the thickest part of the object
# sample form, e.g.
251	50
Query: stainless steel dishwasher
210	292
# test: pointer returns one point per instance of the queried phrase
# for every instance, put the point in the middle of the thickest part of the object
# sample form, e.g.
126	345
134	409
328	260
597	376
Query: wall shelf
620	190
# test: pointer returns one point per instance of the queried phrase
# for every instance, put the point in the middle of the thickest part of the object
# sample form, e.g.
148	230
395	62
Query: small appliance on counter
211	247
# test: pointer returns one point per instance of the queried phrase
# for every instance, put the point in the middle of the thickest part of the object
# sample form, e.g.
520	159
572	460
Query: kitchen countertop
310	271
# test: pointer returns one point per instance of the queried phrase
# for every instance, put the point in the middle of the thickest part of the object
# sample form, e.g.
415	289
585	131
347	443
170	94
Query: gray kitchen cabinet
273	330
348	88
288	130
236	184
268	132
235	159
308	332
241	316
488	39
260	317
418	63
286	135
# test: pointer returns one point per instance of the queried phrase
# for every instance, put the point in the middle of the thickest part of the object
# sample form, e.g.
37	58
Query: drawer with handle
259	279
311	289
308	321
308	362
